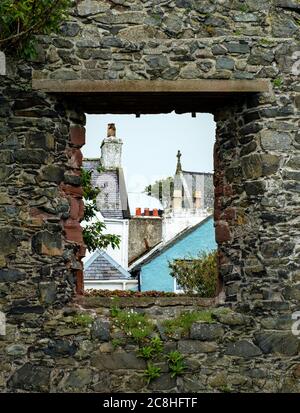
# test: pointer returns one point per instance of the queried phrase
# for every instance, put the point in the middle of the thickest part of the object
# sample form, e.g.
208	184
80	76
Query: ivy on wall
21	20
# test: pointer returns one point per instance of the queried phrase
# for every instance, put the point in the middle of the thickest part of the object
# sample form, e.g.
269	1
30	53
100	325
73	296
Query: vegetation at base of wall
93	235
135	325
152	350
152	372
136	294
185	320
21	20
138	327
82	319
176	363
197	275
278	82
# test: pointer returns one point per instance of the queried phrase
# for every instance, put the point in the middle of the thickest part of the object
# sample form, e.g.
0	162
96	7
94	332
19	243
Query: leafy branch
21	20
93	232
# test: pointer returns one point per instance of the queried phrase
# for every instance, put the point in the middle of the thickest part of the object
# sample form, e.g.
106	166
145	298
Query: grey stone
278	342
64	75
11	275
237	48
60	348
257	165
91	7
78	379
2	64
284	26
31	377
157	61
192	346
245	17
225	63
118	361
16	350
261	56
206	331
32	156
52	173
231	318
255	188
164	382
48	292
288	4
173	24
275	141
70	29
101	330
243	348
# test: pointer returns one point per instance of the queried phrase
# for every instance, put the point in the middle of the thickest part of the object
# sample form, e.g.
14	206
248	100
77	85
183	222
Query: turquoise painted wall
156	274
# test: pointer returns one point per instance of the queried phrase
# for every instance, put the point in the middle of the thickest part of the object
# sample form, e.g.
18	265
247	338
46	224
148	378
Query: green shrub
198	275
21	20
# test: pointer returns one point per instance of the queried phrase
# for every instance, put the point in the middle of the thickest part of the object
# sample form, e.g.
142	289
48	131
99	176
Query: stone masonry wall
256	194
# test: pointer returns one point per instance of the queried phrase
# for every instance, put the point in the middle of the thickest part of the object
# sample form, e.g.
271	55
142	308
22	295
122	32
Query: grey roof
112	200
101	266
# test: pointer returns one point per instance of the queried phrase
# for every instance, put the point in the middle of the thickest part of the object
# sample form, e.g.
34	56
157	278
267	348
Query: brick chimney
111	149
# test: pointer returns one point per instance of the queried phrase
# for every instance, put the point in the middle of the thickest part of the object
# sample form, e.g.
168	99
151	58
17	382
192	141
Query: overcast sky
151	142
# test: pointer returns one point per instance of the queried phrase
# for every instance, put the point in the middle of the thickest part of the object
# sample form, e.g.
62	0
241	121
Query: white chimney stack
111	149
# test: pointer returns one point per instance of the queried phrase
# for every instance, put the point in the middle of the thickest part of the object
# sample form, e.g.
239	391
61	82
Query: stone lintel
151	86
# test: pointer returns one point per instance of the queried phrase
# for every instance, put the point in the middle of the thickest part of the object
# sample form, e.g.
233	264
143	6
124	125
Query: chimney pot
146	212
155	212
138	212
111	130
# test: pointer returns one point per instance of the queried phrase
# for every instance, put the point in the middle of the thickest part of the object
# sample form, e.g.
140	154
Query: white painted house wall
176	222
118	227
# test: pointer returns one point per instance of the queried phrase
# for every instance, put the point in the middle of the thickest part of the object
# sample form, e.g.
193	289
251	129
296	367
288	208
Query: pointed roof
101	266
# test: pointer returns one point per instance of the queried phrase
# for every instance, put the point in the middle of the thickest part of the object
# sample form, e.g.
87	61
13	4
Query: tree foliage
198	275
93	232
162	190
21	20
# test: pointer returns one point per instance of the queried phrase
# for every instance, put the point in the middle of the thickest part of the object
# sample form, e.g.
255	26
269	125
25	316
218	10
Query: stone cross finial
178	168
111	130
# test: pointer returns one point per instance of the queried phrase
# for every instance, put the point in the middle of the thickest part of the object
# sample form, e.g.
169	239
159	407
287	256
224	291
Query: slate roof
112	200
101	266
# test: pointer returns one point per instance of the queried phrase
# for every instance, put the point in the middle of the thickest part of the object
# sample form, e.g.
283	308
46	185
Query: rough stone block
278	342
30	377
73	231
243	348
192	346
222	232
77	135
47	243
206	331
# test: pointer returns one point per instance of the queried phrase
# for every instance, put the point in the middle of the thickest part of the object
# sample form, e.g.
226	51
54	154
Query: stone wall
79	349
256	191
